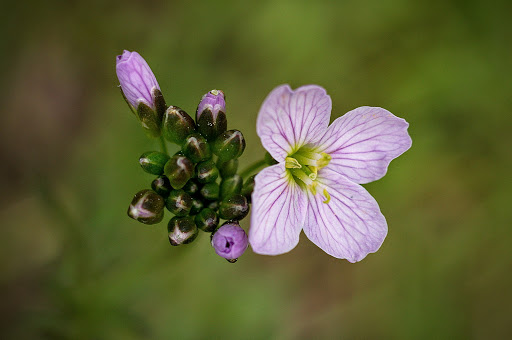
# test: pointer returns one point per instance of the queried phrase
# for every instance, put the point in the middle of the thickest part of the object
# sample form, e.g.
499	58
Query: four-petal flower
315	185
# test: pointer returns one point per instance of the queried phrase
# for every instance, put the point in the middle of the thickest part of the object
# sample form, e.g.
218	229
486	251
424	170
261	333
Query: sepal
207	220
147	207
210	115
206	172
196	148
229	145
230	186
234	207
182	230
179	169
153	162
177	125
179	203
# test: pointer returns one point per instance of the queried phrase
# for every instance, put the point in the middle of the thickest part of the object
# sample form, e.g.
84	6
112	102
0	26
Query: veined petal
289	119
351	225
278	210
364	141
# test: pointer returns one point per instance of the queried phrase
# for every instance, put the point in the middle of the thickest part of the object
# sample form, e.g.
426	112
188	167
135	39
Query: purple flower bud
211	115
136	78
212	101
230	241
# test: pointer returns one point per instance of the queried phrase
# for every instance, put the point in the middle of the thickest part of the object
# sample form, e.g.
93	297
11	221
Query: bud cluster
199	185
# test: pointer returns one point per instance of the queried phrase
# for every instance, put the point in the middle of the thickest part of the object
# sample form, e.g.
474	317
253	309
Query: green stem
163	145
247	171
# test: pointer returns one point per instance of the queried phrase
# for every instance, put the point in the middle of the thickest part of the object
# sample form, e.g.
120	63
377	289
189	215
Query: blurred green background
74	266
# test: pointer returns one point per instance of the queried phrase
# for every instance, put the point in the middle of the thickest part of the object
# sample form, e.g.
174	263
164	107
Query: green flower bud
153	162
147	207
182	230
229	145
230	186
210	191
207	172
214	205
227	168
207	220
191	187
235	207
179	169
179	203
248	188
162	186
197	206
177	125
196	148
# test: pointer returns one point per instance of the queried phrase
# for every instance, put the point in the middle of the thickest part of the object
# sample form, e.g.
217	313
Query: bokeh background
74	266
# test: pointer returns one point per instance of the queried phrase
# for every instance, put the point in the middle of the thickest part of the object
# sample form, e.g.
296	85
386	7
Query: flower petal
348	227
363	142
289	119
278	210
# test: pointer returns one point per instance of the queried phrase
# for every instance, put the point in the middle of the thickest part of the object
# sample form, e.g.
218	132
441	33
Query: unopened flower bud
179	203
141	90
207	172
197	206
248	188
230	186
153	162
210	191
227	168
179	169
207	220
214	205
211	116
177	125
191	187
230	241
229	145
161	186
147	207
182	230
196	148
234	207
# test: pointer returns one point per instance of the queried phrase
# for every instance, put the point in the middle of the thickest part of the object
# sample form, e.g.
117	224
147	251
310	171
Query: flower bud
197	206
182	230
177	125
211	116
179	169
179	202
207	220
207	172
210	191
147	207
227	168
230	241
161	186
191	187
235	207
230	186
141	90
229	145
248	188
153	162
214	205
196	148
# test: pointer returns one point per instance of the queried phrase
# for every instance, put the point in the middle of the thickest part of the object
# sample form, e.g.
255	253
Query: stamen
300	174
324	161
292	163
327	196
305	160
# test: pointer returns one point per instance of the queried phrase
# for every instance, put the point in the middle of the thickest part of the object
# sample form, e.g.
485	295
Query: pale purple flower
136	79
315	185
230	241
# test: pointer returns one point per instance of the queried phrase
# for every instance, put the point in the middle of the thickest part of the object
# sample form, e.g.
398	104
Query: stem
163	145
247	171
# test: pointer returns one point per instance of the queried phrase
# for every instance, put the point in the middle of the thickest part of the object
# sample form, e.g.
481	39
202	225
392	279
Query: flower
136	78
230	241
315	185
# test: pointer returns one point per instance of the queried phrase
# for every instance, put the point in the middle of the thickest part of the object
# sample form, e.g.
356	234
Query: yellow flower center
303	166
